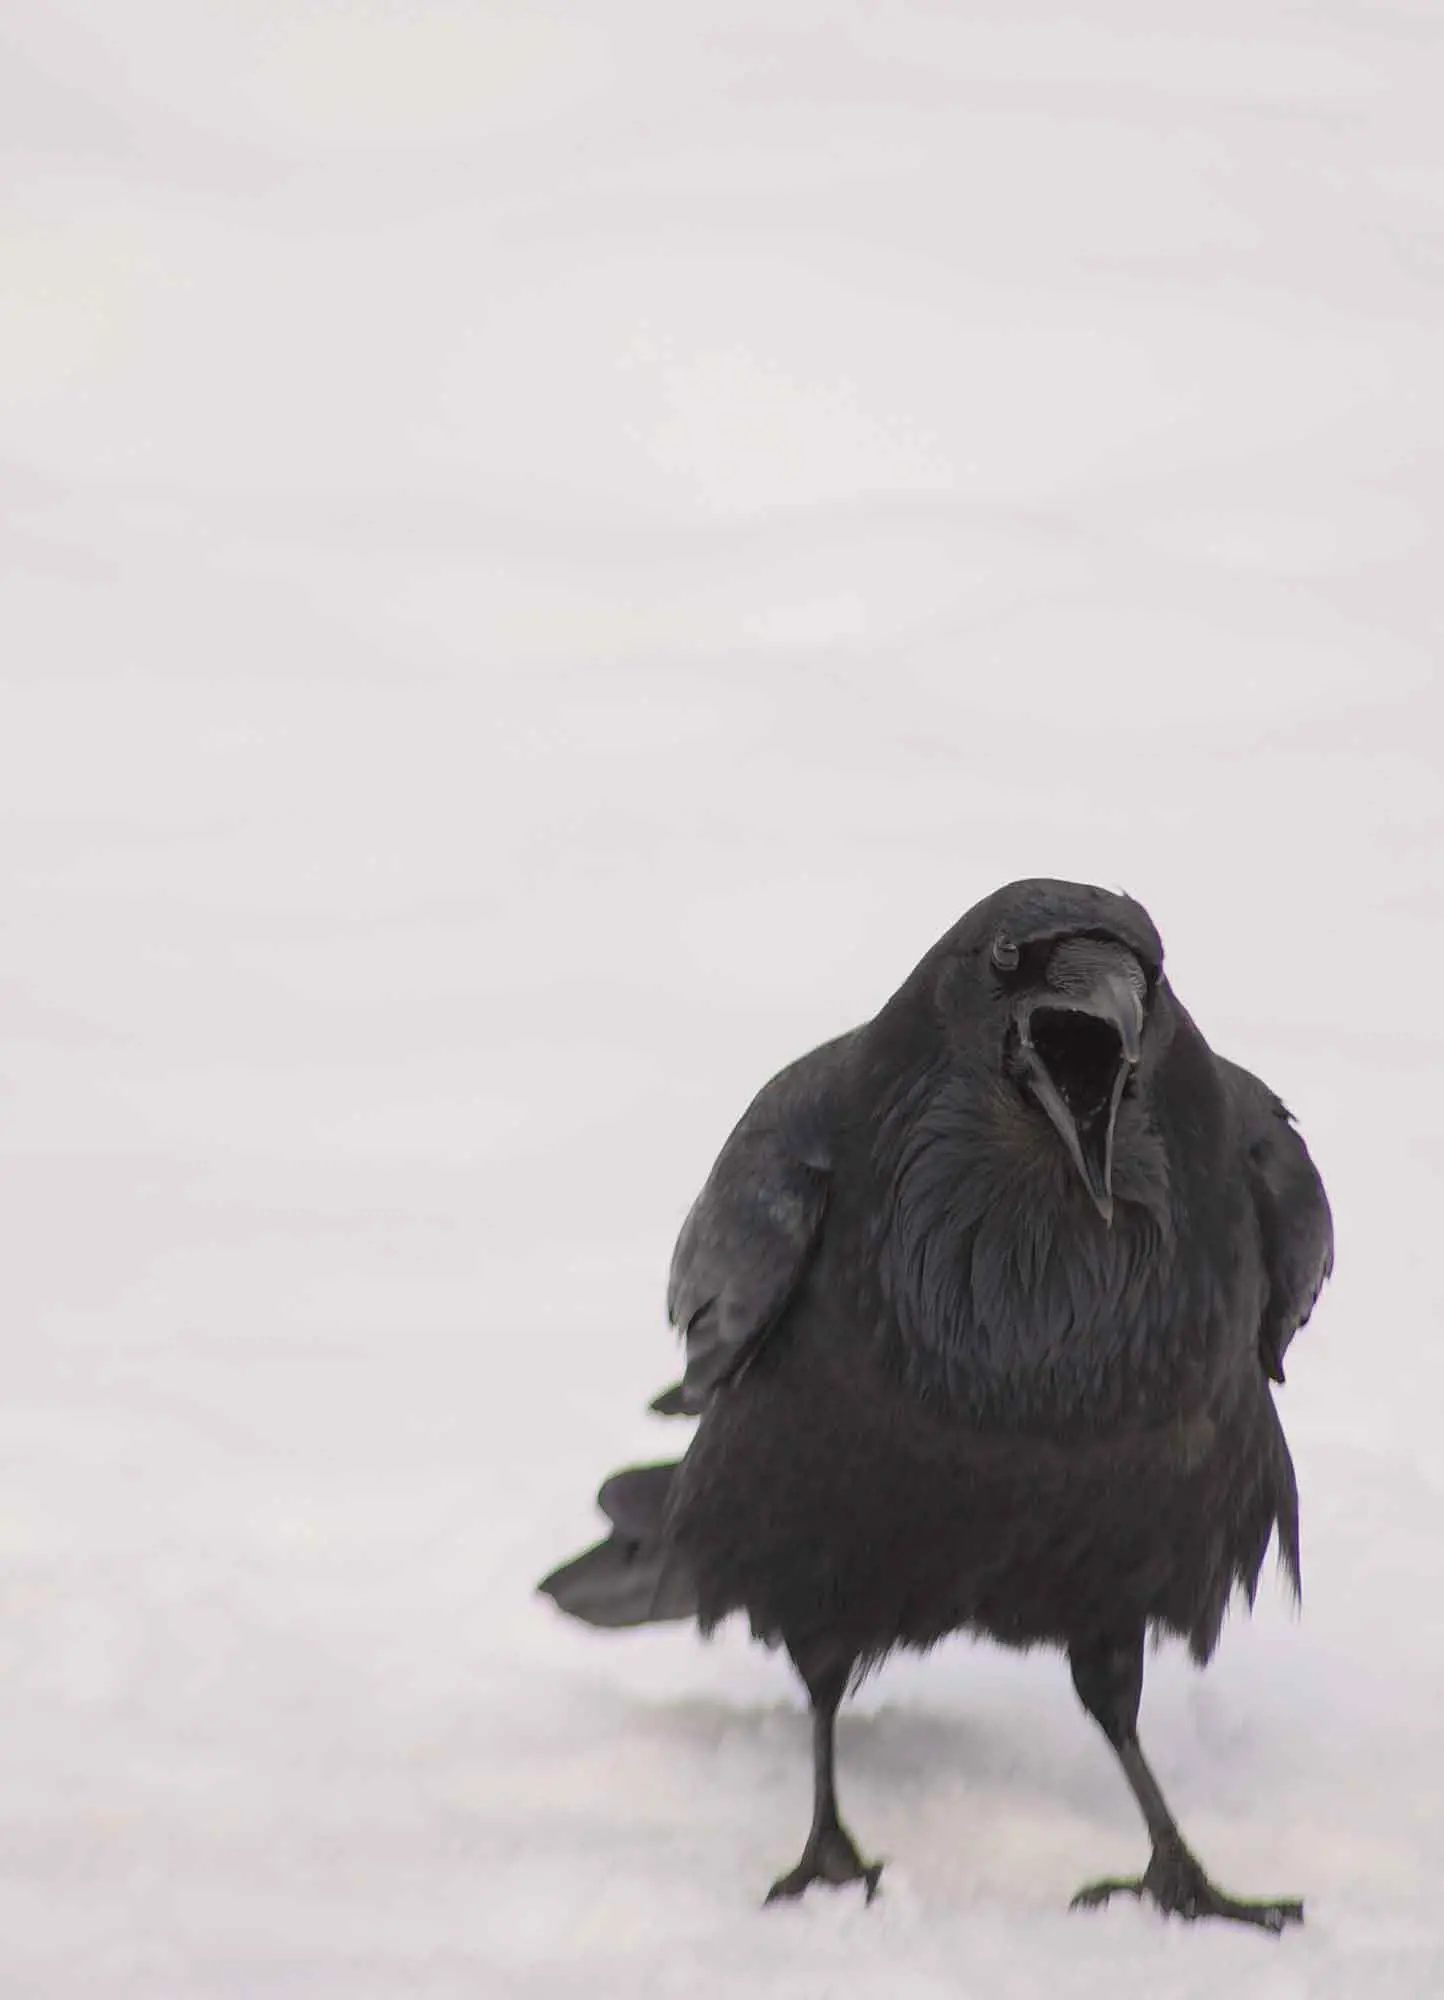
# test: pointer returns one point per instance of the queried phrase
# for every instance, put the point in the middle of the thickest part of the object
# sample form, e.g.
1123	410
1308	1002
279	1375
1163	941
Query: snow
548	553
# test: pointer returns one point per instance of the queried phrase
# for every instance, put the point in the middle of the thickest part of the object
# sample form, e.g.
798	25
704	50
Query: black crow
981	1303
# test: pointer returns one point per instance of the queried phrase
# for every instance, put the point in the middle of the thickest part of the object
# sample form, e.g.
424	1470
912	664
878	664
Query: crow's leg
830	1854
1108	1675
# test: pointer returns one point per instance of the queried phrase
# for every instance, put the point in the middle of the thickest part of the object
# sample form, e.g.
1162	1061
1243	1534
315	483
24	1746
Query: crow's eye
1005	953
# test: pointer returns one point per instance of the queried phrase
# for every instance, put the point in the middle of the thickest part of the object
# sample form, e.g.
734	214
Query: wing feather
1295	1223
750	1234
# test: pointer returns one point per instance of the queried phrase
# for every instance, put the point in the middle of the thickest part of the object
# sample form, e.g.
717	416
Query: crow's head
1054	982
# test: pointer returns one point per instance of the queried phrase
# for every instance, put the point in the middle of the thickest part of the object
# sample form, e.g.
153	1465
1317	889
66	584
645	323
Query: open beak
1076	1053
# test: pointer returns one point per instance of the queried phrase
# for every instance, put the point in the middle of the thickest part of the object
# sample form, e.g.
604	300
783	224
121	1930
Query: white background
547	553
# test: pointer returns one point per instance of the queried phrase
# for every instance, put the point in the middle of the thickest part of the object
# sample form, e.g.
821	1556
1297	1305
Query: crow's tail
633	1577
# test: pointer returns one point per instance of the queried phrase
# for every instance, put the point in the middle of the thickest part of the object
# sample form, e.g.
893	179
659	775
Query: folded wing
750	1234
1295	1224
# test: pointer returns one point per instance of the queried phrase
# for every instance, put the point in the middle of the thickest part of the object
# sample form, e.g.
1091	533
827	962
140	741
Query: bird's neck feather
1009	1294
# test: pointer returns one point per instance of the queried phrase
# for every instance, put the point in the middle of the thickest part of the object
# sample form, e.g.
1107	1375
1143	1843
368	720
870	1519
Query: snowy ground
547	553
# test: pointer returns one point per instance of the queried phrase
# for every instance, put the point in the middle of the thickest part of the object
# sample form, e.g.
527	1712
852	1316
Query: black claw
831	1857
1177	1885
1094	1895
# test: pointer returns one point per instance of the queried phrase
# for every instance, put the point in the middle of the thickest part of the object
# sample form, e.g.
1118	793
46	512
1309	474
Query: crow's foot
829	1856
1175	1881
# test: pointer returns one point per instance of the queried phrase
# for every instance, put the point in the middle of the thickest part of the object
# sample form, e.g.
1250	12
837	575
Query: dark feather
746	1242
631	1578
1295	1225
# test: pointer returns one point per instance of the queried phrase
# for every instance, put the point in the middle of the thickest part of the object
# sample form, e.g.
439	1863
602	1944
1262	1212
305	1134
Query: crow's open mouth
1075	1052
1081	1053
